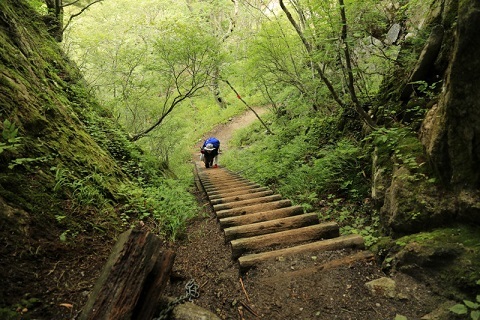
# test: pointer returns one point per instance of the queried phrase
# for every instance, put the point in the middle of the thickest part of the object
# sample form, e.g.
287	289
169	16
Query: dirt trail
224	132
317	285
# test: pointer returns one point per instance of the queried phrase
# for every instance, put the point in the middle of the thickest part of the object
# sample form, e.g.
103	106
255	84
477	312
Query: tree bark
277	225
55	19
289	237
132	279
254	208
350	241
318	69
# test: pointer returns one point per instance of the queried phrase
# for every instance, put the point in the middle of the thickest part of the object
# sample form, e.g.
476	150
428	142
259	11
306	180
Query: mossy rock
448	259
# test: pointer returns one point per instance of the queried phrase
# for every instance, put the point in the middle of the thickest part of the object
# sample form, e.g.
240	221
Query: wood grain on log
277	225
132	279
350	241
290	237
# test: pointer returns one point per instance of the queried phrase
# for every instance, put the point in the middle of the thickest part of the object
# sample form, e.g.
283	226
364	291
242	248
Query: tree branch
78	13
256	114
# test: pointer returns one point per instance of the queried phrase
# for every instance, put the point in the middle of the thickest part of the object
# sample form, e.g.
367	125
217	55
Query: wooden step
246	202
289	237
227	194
348	260
260	216
241	197
350	241
213	190
243	188
270	226
253	208
226	185
223	181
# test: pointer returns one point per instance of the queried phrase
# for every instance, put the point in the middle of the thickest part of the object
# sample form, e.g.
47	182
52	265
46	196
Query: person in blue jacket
210	149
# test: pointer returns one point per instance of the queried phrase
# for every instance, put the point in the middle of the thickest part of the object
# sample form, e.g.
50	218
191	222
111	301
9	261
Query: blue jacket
212	140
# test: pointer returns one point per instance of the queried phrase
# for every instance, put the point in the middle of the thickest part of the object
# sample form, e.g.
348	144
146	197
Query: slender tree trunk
55	19
348	61
318	68
253	110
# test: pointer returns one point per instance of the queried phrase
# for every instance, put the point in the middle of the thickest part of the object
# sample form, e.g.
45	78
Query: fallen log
260	216
350	241
277	225
290	237
132	280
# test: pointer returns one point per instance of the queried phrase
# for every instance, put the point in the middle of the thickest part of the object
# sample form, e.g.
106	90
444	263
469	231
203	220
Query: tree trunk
55	19
132	279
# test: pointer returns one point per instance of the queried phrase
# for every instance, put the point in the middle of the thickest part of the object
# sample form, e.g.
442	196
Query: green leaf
475	315
400	317
459	309
471	305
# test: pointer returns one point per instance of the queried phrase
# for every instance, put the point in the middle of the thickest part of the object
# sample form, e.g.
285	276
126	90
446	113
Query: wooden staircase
261	225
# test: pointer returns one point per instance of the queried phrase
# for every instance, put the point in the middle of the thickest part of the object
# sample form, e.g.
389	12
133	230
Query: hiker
209	150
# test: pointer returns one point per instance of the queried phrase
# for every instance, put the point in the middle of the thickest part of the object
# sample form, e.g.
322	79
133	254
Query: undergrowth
308	162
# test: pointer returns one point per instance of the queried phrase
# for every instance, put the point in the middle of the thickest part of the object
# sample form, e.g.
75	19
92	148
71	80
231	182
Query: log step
213	187
262	226
241	197
213	191
226	183
253	208
290	237
277	225
217	196
350	241
247	202
260	216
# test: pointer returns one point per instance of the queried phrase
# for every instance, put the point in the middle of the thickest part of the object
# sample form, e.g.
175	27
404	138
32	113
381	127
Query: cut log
247	202
242	197
260	216
220	195
277	225
253	208
230	190
290	237
228	183
350	241
229	187
336	263
132	280
225	182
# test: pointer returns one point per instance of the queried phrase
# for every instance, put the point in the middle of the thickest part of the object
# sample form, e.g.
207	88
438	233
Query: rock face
449	133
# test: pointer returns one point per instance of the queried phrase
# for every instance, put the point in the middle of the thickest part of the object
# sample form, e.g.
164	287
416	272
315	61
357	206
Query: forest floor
54	281
299	287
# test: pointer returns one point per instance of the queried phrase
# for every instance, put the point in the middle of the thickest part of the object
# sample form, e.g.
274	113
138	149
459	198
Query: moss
449	254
